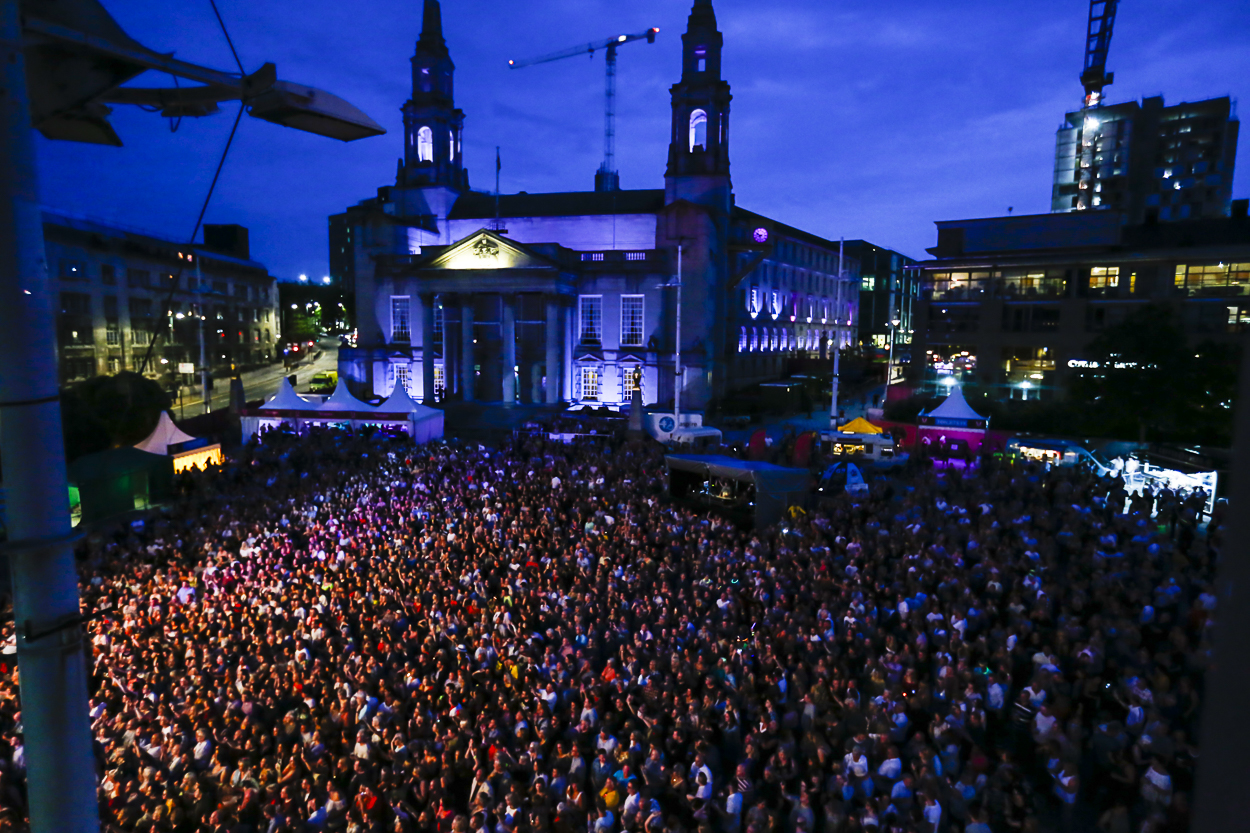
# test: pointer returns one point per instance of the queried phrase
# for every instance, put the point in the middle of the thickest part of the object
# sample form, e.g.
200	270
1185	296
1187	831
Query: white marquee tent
422	423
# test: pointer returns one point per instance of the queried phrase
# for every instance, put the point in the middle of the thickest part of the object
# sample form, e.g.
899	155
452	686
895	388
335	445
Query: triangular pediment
486	250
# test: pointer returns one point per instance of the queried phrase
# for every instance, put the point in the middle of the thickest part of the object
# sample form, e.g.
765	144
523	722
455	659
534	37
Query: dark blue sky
857	119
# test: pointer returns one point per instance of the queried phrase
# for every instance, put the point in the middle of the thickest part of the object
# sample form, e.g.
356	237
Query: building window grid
590	313
590	382
400	317
631	320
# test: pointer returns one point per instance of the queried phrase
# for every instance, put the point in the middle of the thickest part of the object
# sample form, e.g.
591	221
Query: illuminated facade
125	295
1147	161
1016	301
562	297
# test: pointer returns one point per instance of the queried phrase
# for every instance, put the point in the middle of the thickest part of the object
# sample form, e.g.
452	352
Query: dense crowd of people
336	633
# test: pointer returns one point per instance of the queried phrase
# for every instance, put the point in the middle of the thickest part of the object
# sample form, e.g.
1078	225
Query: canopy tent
426	422
163	436
859	425
286	399
399	412
954	412
169	440
342	400
775	488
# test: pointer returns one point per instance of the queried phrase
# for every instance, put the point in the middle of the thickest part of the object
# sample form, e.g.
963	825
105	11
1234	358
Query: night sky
865	119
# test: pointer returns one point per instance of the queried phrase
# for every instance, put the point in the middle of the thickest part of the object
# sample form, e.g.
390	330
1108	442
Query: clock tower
698	150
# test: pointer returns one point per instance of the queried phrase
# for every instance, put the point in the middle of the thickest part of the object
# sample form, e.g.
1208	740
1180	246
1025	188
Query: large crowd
336	633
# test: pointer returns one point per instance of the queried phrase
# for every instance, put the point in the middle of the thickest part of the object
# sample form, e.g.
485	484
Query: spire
702	15
431	41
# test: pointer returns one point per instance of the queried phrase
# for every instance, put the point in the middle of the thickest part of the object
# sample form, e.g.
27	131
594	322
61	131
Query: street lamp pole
837	339
679	373
889	362
60	763
199	287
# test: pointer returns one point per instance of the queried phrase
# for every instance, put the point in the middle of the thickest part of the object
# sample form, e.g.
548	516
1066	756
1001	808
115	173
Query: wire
222	23
147	356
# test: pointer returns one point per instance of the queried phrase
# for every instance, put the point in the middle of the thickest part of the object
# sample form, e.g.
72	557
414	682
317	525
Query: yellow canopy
859	425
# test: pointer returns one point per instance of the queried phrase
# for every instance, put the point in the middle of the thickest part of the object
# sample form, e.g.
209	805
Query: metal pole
679	373
199	287
60	764
889	365
837	339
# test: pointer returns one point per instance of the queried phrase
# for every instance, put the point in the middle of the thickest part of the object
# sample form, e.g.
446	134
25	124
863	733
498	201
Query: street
258	384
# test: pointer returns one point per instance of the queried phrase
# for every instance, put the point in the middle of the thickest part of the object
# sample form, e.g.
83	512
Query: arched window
742	340
425	145
451	150
755	339
698	130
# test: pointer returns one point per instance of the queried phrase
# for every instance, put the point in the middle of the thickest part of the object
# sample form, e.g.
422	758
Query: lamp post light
889	362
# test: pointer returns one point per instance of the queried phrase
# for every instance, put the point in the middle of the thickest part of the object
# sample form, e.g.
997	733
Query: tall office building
1148	161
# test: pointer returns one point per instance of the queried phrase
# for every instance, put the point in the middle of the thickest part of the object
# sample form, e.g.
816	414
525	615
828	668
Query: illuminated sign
1089	365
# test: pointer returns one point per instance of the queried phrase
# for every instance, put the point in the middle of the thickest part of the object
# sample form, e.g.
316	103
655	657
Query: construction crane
606	179
1097	42
1094	77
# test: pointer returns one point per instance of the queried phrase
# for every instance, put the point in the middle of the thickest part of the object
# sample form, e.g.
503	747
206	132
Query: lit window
755	340
438	378
631	320
590	382
1104	277
698	130
591	315
753	301
451	149
774	303
400	318
742	340
425	145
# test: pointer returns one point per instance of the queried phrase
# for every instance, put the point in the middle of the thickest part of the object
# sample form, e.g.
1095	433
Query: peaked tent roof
400	402
954	406
286	399
163	436
342	400
859	425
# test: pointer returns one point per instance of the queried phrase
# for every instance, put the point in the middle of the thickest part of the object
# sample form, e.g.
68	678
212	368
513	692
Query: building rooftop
112	232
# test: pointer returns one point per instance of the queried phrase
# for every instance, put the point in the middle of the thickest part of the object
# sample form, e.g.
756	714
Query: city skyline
865	124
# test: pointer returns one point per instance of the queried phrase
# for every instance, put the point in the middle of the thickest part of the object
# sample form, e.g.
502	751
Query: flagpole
498	165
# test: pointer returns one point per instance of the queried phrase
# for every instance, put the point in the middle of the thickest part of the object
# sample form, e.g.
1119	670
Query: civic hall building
563	298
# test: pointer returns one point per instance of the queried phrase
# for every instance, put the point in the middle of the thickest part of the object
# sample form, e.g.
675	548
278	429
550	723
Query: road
258	384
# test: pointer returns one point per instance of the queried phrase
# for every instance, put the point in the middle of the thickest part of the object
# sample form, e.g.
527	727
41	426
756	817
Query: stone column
509	350
467	354
566	366
555	334
428	311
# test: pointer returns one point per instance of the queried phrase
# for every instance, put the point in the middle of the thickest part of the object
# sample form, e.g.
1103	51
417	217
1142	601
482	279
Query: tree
1150	383
109	412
